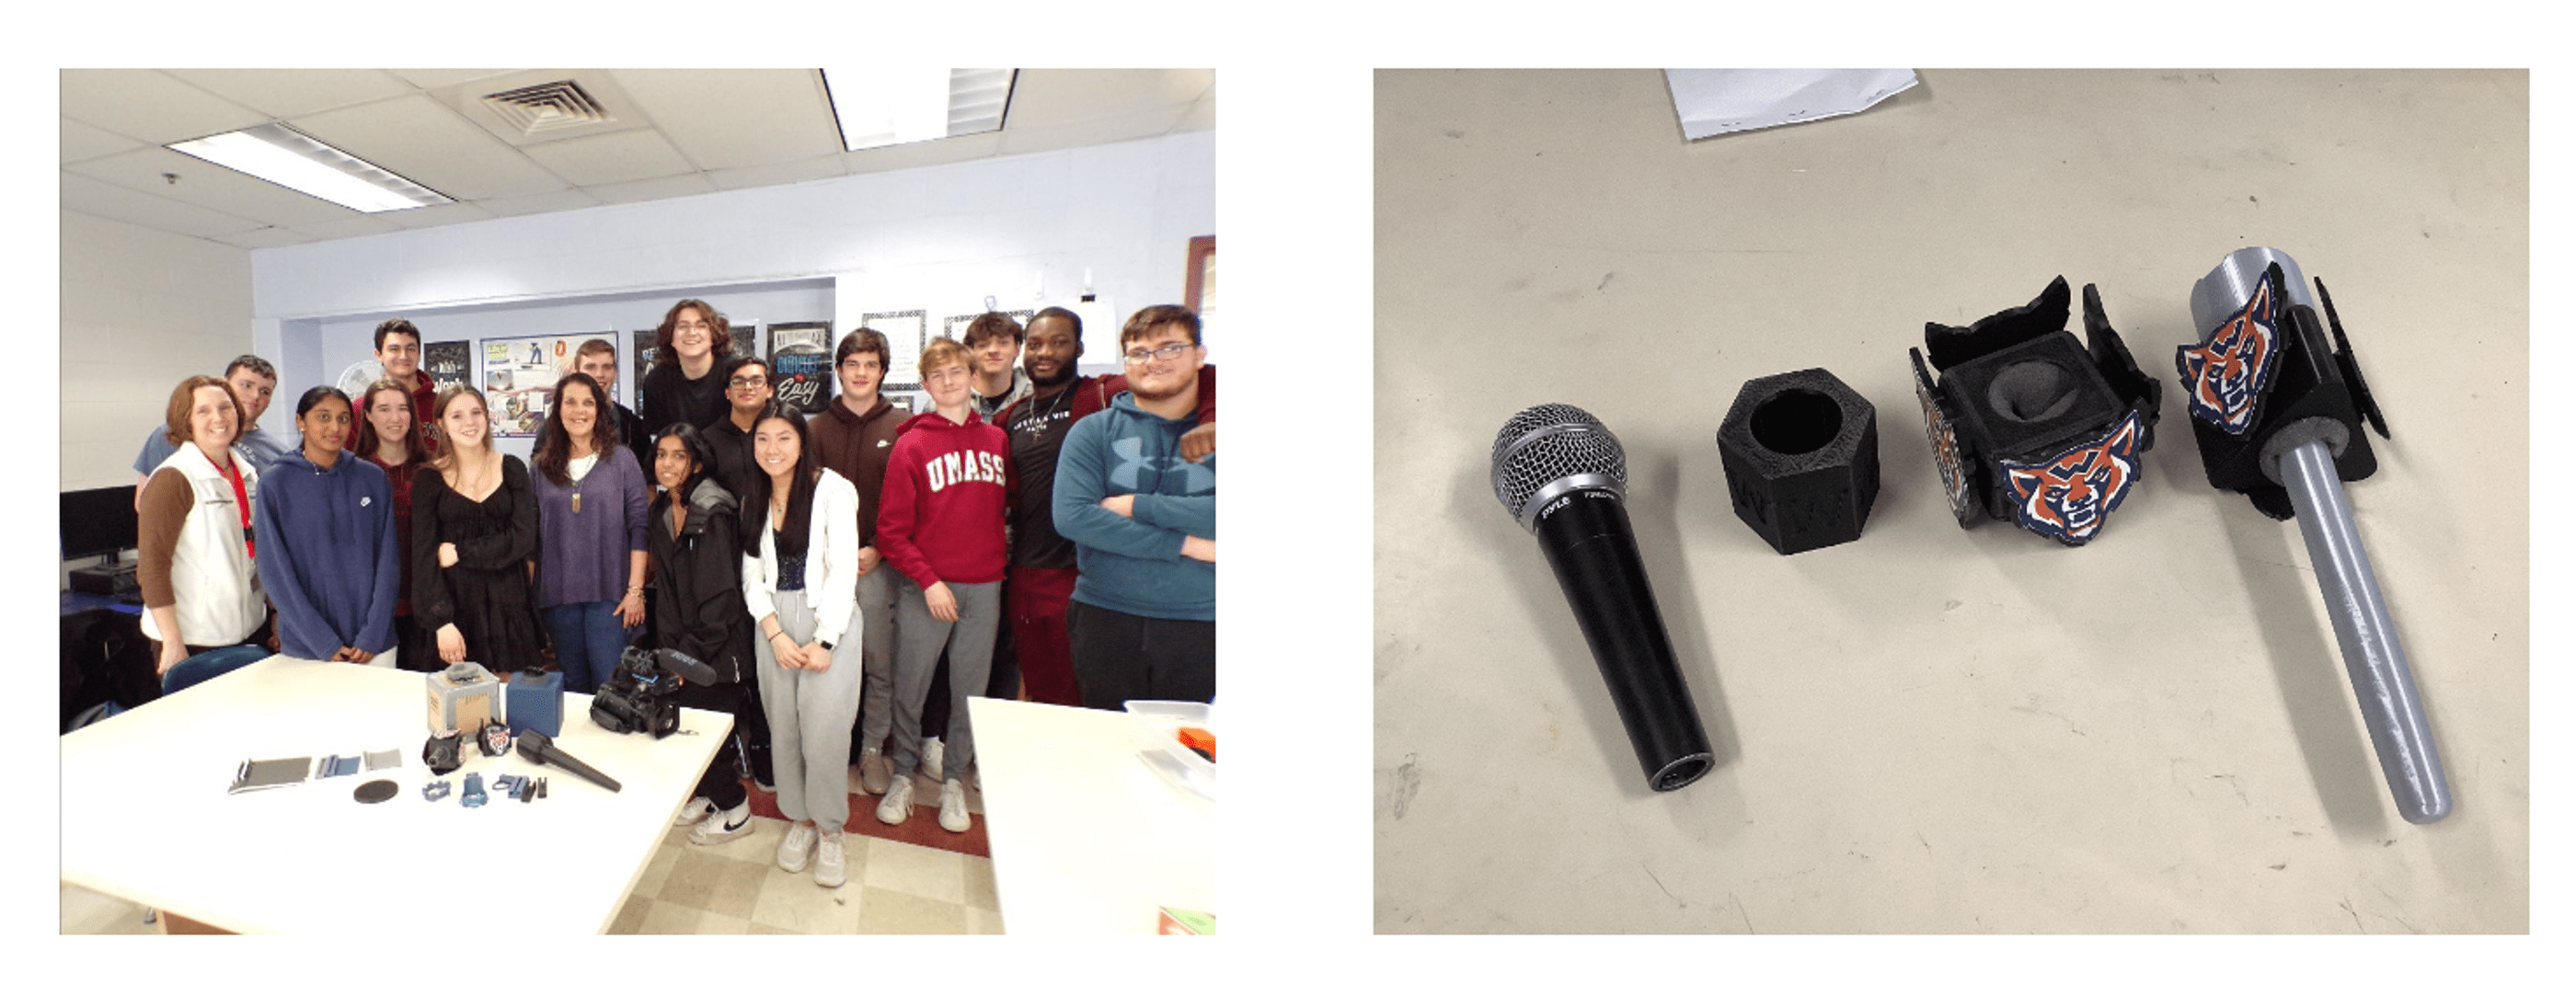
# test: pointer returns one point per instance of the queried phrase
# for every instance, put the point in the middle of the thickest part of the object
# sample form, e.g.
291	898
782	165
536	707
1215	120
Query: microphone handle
556	757
1593	550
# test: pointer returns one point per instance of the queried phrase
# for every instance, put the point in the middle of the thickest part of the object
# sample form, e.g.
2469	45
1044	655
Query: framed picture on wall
906	332
955	327
1199	289
447	363
519	377
800	364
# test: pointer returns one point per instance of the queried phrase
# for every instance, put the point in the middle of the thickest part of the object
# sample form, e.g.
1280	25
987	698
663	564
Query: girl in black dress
473	538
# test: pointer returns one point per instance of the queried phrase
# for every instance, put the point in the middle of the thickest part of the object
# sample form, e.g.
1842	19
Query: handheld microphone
536	747
1563	476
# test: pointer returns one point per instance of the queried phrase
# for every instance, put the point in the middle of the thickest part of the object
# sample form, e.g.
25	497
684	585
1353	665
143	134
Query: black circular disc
377	791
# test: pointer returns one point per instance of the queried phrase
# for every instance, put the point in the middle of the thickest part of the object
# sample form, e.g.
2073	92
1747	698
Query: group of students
393	530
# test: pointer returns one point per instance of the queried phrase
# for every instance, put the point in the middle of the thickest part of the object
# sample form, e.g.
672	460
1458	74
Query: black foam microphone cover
1564	476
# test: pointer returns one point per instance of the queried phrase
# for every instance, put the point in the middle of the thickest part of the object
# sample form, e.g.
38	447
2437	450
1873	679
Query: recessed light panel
276	153
880	107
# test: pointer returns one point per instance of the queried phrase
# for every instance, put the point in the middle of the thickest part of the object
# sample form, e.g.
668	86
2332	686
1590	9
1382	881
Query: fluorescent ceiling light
879	107
276	153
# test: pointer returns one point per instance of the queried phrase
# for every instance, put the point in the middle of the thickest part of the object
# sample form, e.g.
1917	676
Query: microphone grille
1548	443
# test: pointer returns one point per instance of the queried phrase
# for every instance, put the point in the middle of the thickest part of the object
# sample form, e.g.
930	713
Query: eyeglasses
1165	354
747	382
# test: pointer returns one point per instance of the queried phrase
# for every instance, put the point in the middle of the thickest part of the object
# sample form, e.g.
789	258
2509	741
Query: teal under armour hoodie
1134	565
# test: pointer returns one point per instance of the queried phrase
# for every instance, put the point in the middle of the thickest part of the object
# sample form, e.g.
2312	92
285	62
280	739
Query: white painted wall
141	310
940	238
348	340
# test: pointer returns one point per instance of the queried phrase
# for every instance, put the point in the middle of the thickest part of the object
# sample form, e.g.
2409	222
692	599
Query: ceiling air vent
548	107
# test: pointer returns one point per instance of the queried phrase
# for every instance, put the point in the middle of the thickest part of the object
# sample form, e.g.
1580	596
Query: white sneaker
830	862
696	811
797	848
934	753
897	803
724	825
953	817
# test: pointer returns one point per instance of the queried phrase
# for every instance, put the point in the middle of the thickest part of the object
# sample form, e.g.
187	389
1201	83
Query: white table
146	816
1086	838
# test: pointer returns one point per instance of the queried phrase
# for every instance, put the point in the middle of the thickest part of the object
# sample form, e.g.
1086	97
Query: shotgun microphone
1563	476
536	747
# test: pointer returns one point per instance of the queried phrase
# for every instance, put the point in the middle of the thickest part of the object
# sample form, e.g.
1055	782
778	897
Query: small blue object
534	702
436	791
474	795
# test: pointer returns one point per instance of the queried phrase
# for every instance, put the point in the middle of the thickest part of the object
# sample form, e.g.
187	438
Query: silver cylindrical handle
2381	681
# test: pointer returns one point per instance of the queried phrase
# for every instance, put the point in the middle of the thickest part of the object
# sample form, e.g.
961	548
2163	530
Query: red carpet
920	829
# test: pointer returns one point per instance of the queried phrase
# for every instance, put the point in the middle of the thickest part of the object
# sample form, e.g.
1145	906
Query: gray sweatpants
918	640
876	632
809	719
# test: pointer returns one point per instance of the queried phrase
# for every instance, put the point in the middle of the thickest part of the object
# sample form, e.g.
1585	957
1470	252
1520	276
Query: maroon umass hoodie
948	490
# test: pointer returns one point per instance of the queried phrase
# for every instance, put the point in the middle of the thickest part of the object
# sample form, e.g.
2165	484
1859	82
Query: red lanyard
250	539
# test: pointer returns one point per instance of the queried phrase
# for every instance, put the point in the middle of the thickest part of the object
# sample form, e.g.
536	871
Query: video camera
638	698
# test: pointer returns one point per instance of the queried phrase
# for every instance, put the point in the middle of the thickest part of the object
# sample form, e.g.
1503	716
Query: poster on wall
906	332
447	363
519	375
800	364
646	350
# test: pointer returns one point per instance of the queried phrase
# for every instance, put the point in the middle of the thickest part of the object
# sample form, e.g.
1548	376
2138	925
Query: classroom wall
141	310
1022	231
341	342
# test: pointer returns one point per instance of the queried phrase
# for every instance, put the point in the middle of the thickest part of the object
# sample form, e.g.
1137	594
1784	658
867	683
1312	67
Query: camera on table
638	698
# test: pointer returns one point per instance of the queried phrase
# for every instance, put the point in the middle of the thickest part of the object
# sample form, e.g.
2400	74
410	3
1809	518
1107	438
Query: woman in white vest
196	557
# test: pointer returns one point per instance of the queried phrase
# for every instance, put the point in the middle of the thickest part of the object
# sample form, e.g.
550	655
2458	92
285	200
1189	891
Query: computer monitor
98	522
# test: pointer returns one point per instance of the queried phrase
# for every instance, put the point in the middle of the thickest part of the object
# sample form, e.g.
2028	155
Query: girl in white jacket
800	580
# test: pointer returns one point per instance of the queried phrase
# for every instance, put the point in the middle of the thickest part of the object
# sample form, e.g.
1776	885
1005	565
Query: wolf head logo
2069	495
2229	371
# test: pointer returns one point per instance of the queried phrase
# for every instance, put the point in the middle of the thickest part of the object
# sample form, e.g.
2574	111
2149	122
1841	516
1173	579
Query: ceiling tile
148	106
631	155
551	201
651	189
212	186
435	215
94	197
1152	122
360	225
826	166
265	238
284	92
739	117
1200	117
437	78
924	154
82	141
419	139
1049	97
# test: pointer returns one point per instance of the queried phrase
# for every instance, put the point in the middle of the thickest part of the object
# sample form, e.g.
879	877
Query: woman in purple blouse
591	501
